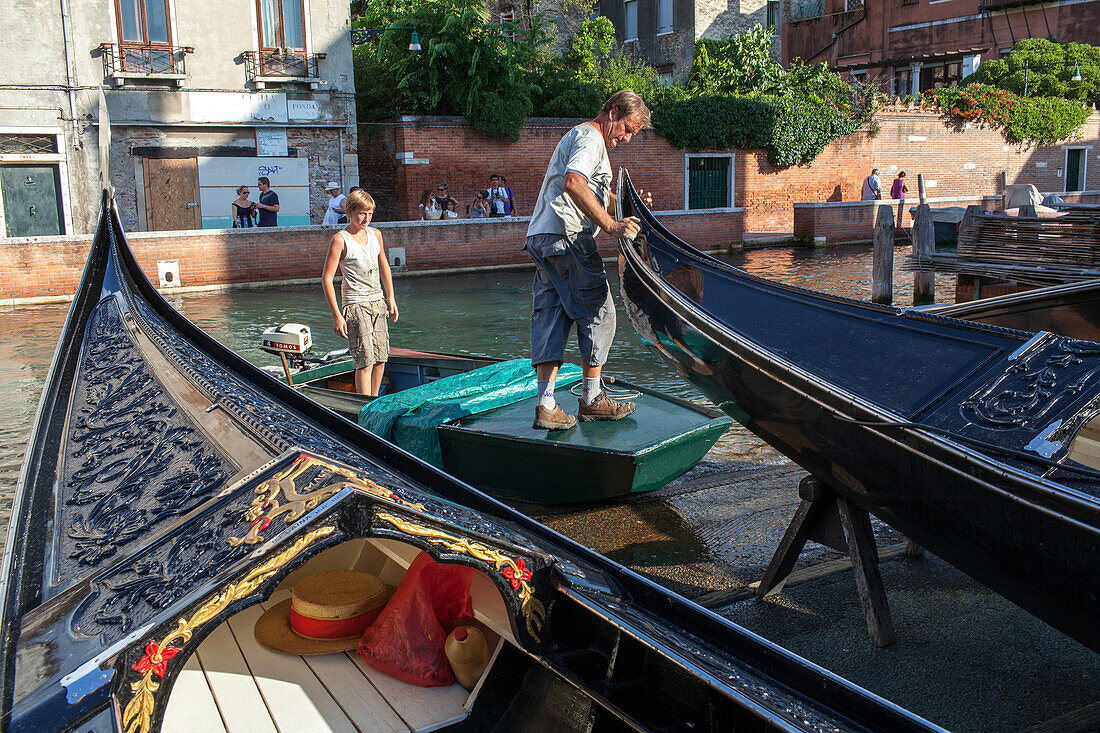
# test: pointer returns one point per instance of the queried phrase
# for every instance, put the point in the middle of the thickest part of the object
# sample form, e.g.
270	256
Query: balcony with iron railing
806	9
124	62
282	67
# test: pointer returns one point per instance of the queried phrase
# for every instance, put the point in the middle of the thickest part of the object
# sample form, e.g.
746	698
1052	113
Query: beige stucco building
203	96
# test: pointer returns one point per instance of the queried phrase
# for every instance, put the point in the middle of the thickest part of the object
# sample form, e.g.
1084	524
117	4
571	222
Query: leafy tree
1044	68
742	65
467	66
591	70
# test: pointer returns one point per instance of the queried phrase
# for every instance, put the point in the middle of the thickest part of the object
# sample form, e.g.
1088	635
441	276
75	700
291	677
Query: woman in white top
366	292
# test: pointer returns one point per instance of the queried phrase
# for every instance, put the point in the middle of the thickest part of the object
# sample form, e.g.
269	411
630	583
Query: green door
708	183
32	200
1073	169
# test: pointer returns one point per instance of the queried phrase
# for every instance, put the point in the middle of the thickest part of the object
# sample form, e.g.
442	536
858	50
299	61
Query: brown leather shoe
604	408
556	419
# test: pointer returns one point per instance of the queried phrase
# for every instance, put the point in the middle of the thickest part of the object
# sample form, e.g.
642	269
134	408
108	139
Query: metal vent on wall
17	144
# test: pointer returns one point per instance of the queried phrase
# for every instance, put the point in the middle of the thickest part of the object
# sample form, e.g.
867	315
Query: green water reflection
484	313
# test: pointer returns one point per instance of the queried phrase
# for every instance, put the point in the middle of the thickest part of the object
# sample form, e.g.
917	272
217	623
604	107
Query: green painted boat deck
655	421
498	451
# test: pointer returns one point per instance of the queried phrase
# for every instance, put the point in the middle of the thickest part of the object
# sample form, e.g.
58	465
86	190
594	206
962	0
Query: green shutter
708	183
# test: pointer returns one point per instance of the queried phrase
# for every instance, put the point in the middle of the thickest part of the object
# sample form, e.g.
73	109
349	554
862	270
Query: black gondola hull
159	498
1032	541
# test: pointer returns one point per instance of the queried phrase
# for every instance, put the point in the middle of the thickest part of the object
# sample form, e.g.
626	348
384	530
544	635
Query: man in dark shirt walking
268	205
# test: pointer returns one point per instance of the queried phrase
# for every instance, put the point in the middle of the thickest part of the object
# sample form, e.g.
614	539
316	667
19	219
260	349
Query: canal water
483	313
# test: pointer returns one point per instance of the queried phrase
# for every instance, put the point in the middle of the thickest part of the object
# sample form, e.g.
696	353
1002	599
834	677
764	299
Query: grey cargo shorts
570	286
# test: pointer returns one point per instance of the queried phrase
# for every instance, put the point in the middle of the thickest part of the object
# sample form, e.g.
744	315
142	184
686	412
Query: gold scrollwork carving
138	714
266	506
516	571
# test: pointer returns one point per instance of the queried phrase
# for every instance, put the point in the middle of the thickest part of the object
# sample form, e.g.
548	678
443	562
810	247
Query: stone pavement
965	659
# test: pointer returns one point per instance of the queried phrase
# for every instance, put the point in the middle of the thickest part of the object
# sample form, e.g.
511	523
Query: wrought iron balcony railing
126	60
275	65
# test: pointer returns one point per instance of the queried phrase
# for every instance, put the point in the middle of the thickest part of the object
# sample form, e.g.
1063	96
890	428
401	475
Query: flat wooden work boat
171	491
959	435
499	452
333	384
1069	310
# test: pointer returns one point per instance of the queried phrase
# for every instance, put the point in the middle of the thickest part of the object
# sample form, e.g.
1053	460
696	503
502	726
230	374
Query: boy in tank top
366	292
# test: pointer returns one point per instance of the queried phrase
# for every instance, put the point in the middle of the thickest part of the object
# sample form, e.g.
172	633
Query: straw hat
327	612
331	185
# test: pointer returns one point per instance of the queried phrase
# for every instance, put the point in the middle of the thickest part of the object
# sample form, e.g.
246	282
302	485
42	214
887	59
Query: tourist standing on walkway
442	198
500	197
872	186
335	213
898	188
366	292
897	191
243	209
570	284
268	205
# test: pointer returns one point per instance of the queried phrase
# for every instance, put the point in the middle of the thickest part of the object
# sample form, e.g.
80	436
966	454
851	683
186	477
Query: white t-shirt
334	202
872	186
582	151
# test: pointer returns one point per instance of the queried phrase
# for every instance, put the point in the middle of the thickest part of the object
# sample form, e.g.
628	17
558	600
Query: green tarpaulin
410	417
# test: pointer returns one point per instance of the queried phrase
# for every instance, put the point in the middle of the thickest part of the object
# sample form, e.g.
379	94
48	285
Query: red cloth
406	641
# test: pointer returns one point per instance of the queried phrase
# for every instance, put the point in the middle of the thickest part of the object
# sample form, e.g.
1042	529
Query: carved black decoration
135	592
132	460
283	428
1037	385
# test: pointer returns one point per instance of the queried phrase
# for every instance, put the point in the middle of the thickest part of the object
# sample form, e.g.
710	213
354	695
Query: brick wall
964	161
50	267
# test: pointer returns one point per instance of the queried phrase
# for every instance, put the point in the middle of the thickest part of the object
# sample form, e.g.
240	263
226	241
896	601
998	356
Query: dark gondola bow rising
169	484
952	432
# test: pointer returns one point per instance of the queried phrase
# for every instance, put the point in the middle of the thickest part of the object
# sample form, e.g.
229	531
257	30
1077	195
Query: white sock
546	394
591	390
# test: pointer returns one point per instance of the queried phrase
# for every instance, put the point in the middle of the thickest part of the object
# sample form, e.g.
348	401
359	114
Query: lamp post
1076	73
362	35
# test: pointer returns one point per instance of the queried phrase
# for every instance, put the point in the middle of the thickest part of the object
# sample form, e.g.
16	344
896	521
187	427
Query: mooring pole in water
882	265
924	244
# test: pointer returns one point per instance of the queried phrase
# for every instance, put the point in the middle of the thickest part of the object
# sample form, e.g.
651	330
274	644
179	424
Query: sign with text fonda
271	142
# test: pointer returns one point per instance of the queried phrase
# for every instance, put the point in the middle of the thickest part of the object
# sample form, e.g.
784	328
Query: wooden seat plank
191	707
422	708
355	694
239	700
296	698
350	688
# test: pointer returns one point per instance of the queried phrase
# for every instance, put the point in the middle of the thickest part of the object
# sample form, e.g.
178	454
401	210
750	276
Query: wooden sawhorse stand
826	517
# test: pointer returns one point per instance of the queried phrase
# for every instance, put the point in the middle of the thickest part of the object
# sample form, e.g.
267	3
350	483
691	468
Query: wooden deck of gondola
234	684
962	650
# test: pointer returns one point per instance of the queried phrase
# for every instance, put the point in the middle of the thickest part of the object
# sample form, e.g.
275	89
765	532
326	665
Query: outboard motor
291	340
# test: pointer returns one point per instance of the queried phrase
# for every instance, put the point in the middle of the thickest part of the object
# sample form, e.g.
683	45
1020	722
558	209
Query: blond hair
359	201
627	103
240	189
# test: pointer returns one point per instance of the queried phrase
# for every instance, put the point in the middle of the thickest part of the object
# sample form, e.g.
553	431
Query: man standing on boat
570	283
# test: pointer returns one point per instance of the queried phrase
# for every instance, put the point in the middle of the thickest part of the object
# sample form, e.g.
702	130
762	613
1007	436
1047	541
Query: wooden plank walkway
233	684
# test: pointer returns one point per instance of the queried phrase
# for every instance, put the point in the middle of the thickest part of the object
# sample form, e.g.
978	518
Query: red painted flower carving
159	667
520	575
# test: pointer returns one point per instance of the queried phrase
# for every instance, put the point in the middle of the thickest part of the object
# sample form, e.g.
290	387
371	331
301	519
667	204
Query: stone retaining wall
854	221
